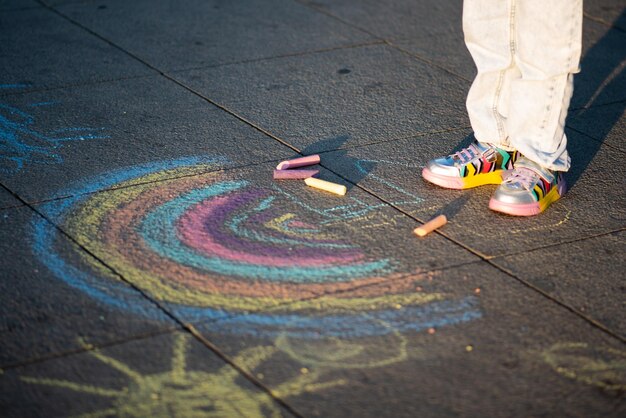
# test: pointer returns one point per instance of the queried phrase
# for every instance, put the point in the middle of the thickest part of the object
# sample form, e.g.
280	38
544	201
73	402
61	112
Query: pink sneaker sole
443	181
529	209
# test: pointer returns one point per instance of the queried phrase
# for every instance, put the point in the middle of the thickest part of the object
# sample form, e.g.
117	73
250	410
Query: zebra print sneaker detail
478	164
528	190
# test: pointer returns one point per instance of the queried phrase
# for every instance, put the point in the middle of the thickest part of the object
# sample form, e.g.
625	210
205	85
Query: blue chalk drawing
21	145
39	104
372	323
14	86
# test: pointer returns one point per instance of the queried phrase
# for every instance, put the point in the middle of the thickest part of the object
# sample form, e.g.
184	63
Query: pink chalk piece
295	174
299	162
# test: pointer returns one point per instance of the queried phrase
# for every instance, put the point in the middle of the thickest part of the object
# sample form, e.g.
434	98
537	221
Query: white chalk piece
295	174
299	162
431	225
327	186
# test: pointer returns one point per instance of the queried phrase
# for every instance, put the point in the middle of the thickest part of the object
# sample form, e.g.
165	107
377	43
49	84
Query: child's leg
547	52
488	29
488	35
548	47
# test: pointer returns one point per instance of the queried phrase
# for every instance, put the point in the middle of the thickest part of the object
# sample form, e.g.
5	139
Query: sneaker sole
494	177
529	209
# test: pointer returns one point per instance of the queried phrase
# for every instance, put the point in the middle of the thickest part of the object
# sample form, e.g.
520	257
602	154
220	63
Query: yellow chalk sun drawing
186	393
603	367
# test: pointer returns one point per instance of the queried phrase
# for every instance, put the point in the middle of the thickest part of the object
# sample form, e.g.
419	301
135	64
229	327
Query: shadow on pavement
359	169
602	80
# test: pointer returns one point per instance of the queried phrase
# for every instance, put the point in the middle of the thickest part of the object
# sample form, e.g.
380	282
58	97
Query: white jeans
526	52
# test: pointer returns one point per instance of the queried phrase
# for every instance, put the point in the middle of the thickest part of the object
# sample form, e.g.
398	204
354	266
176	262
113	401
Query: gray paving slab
6	5
609	11
221	244
169	375
489	347
42	50
606	124
602	79
53	295
74	134
53	3
207	33
339	98
587	275
396	18
595	181
444	49
7	200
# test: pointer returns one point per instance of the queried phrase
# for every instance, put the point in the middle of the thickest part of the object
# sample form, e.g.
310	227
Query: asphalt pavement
151	266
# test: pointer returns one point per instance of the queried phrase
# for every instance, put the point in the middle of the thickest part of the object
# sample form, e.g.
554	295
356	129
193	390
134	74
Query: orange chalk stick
326	185
431	225
299	162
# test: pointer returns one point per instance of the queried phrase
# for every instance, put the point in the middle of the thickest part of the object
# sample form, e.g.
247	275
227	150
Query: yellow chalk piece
431	225
326	185
469	348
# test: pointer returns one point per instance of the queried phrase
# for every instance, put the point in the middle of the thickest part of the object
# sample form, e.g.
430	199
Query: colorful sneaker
478	164
528	190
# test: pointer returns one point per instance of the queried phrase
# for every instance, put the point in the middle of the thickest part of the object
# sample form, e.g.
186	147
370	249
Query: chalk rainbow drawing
21	144
211	246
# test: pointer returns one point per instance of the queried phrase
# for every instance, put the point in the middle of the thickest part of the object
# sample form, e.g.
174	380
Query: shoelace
523	176
467	154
